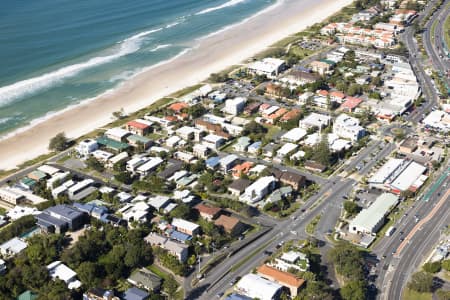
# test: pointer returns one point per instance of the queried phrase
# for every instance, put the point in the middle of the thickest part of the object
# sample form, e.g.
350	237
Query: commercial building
269	67
288	280
255	286
437	120
398	175
370	220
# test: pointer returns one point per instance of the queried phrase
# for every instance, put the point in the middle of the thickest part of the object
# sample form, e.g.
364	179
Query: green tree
351	207
183	211
432	267
443	295
59	142
170	286
94	164
322	151
421	282
124	177
354	89
348	261
354	290
446	264
315	290
89	273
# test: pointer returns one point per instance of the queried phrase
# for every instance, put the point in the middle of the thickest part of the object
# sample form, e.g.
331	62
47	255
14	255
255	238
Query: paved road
434	41
395	269
327	202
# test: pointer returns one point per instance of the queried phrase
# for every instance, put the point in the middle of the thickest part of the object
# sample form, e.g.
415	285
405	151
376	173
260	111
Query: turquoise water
57	53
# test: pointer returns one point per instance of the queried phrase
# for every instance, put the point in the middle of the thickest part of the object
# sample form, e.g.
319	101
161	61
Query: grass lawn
272	131
413	295
447	32
311	227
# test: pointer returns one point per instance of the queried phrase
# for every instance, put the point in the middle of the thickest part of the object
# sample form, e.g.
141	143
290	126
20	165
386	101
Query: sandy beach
209	55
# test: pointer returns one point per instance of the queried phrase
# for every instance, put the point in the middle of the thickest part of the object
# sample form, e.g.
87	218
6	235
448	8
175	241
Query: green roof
112	144
27	295
138	138
327	61
28	181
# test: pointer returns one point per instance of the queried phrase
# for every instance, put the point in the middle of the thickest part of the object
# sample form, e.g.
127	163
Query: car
220	295
401	232
402	239
267	252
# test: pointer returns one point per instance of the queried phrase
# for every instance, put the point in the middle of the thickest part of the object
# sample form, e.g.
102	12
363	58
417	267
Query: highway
398	263
434	41
327	202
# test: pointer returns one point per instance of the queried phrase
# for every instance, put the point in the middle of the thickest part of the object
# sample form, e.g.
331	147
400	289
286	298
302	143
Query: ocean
57	53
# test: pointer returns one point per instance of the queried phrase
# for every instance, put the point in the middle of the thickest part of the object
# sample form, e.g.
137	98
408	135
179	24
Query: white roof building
50	170
270	67
314	120
137	211
286	149
58	270
213	141
408	177
187	132
159	201
12	247
20	211
254	286
86	147
437	120
385	171
148	166
117	133
257	190
348	128
294	135
370	220
235	106
185	226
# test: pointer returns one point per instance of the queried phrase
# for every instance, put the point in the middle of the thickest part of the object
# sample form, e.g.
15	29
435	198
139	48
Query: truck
390	231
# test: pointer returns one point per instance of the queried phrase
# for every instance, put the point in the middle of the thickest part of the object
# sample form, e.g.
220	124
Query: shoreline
242	40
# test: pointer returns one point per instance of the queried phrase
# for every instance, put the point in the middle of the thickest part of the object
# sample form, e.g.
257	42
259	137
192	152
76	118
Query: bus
390	231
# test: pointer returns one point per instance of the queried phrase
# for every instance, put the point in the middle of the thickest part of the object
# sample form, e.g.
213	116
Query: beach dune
209	55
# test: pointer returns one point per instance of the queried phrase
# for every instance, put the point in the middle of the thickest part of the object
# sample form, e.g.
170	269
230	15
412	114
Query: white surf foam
51	114
30	86
160	47
261	12
5	120
225	5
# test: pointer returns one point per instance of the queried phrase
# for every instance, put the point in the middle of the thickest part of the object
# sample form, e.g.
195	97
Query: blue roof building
135	294
212	162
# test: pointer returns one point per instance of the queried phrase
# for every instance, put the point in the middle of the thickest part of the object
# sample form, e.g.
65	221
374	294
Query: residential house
295	180
200	151
242	144
213	141
58	270
86	147
228	162
241	169
254	147
207	212
99	294
139	127
314	166
137	141
315	120
146	279
135	294
12	247
135	212
60	218
117	134
237	187
231	225
291	260
185	226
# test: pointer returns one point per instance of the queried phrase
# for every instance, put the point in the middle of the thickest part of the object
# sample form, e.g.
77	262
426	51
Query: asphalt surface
326	202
